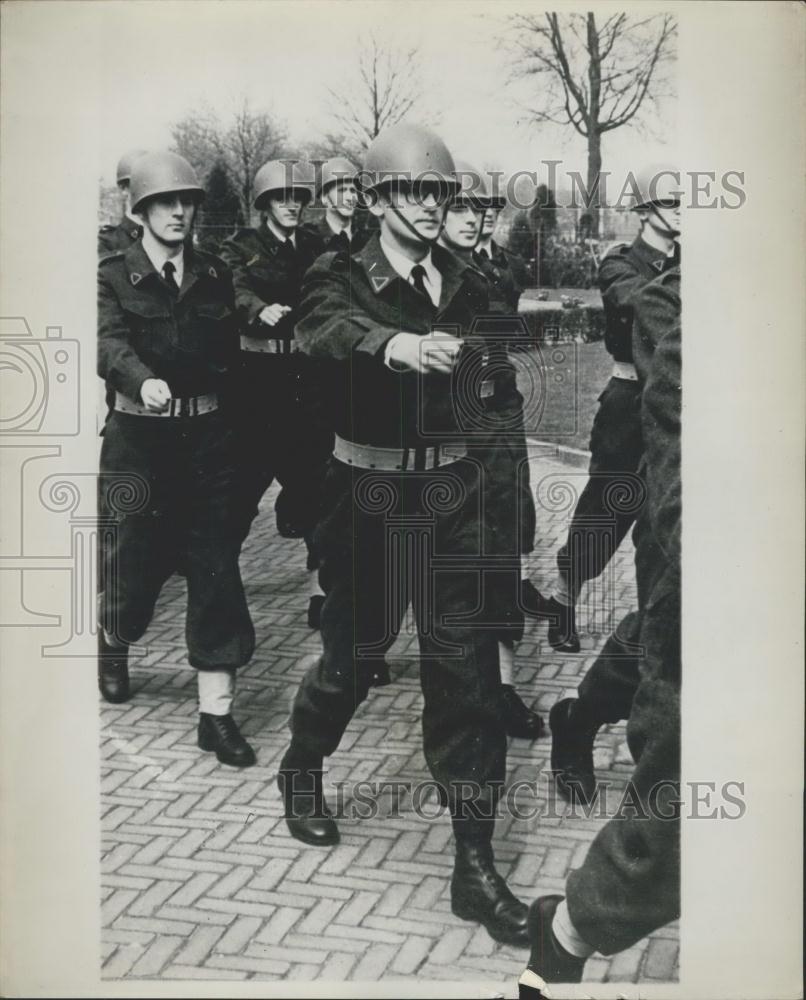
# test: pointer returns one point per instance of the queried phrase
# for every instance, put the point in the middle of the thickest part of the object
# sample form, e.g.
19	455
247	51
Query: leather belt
186	406
276	345
365	456
625	370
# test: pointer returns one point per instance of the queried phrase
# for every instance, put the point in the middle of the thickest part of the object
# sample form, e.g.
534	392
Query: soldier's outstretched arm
330	320
118	362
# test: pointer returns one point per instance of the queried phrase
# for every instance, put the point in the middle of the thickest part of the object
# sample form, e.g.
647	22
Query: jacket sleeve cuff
375	341
133	381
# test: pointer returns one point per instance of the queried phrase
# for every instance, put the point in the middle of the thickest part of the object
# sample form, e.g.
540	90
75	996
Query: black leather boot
480	894
306	812
220	734
572	737
549	962
561	618
113	671
519	720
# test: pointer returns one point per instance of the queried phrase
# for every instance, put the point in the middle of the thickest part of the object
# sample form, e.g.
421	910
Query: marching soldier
616	445
338	192
629	883
400	486
506	271
509	509
606	692
279	411
167	338
128	230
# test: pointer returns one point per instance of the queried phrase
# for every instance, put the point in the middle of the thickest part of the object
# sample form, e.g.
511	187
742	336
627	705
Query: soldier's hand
272	314
436	352
155	394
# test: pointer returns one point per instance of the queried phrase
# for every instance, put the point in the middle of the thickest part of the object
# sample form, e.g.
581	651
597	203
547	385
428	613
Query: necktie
168	272
288	249
417	277
480	257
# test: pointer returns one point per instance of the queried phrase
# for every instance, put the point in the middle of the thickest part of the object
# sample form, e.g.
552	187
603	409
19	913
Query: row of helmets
403	152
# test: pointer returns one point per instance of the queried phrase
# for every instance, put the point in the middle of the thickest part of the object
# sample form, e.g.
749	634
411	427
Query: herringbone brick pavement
200	878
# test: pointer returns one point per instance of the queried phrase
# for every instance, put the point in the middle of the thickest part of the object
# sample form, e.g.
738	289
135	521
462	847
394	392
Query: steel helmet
475	186
407	153
655	183
162	173
125	164
338	169
283	175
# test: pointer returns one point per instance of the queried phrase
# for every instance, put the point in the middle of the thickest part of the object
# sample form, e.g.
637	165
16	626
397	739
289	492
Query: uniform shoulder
113	257
244	235
331	262
616	251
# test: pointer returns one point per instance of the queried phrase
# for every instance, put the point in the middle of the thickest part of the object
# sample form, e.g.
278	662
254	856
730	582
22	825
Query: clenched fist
272	314
155	394
436	352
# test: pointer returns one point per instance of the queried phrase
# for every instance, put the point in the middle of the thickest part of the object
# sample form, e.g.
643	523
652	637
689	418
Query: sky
155	62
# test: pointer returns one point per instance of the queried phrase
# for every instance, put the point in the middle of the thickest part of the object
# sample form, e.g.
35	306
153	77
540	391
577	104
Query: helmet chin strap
413	230
660	225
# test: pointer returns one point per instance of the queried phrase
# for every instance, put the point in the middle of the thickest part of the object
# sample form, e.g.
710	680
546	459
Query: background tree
221	210
241	146
386	87
595	76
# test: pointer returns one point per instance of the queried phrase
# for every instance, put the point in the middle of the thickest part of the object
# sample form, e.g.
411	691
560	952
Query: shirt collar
403	266
157	254
279	234
348	229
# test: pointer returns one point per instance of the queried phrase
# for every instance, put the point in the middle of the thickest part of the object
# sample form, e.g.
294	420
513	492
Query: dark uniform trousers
168	481
607	689
278	400
381	545
629	883
610	503
389	539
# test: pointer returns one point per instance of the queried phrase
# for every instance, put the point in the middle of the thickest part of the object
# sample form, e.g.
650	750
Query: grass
561	385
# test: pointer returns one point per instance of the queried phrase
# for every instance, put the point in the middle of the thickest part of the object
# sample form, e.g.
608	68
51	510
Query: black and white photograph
346	465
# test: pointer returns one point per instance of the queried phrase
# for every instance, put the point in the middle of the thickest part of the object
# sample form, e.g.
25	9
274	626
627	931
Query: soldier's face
169	217
286	209
668	213
410	212
342	198
488	224
462	226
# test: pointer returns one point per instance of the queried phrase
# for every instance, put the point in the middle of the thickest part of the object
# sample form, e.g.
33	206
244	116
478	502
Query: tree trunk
594	172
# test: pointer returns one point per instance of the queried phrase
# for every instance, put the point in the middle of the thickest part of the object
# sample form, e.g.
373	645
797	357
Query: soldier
509	509
615	443
506	271
339	195
166	339
128	230
606	692
400	486
629	882
282	426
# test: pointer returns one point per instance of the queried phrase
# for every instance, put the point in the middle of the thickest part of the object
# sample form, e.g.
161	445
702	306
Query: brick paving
200	878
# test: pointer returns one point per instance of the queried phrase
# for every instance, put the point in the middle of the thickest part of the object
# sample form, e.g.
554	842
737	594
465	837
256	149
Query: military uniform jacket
112	239
507	275
189	339
657	309
335	242
266	271
352	305
622	275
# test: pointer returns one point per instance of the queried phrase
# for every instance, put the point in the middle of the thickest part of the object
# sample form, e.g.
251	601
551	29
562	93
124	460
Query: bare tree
242	146
384	89
595	77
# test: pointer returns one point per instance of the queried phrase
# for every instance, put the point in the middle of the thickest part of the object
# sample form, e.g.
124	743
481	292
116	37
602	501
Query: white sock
563	592
524	570
567	934
505	660
314	590
216	688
